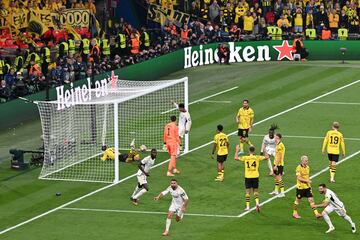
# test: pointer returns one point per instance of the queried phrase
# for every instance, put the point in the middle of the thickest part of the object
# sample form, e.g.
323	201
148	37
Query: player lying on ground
142	174
333	203
251	175
178	205
132	155
303	187
269	145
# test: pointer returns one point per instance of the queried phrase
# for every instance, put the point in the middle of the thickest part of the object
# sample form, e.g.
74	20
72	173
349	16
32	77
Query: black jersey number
223	142
334	140
252	165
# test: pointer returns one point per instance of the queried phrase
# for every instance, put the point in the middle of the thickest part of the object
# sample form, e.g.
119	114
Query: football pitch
302	98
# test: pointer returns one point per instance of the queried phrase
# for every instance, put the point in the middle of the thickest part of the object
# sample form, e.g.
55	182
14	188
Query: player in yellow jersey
279	166
332	142
221	147
251	175
303	187
132	155
245	121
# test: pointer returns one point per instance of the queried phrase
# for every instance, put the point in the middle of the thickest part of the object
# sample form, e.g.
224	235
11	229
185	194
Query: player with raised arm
332	142
178	205
268	146
221	147
245	121
303	187
142	174
251	175
172	143
279	166
332	203
184	120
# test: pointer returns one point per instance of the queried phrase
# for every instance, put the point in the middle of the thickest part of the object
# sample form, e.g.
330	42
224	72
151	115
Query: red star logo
284	51
113	79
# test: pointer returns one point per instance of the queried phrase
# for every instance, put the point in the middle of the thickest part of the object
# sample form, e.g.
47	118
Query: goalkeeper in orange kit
172	143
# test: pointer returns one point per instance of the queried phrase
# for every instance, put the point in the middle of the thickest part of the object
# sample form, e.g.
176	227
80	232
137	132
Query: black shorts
307	193
251	183
243	133
279	171
221	158
123	157
333	157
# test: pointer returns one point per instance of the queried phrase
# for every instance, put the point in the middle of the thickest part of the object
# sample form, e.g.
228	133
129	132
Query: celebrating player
178	204
303	187
143	172
221	146
333	203
171	144
332	142
251	175
245	120
184	120
269	145
279	166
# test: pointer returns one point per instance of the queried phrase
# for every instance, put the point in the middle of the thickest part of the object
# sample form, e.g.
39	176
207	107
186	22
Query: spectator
354	23
5	91
270	17
283	23
298	21
248	23
310	19
10	78
214	12
321	18
344	19
334	21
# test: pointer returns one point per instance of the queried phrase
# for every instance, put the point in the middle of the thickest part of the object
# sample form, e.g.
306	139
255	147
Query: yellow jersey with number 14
221	140
251	165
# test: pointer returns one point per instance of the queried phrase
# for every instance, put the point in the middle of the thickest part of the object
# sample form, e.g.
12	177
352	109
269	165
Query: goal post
74	131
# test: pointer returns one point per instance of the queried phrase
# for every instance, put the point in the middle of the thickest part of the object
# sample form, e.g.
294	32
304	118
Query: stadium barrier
17	112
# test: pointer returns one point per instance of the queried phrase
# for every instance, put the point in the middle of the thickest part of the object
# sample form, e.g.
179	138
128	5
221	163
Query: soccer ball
143	148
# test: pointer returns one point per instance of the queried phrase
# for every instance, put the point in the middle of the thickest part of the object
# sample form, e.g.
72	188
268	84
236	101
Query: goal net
113	115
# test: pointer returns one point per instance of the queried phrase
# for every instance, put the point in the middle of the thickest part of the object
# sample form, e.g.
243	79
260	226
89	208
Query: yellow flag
36	26
70	29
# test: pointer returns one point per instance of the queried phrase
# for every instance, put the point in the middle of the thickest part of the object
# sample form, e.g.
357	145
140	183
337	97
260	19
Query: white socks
135	191
270	164
348	218
327	220
142	191
168	223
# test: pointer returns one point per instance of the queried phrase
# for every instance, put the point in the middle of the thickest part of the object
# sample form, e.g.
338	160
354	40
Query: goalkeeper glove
181	147
164	147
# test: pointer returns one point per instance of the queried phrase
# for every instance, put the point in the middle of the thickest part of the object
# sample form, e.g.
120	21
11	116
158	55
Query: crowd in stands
60	59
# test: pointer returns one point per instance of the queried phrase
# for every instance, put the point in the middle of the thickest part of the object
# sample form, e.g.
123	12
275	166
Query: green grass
271	88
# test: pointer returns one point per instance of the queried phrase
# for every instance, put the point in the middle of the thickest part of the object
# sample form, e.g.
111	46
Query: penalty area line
147	212
294	186
166	161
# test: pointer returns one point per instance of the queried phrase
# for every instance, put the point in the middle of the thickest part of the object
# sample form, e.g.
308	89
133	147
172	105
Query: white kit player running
142	174
184	120
333	203
178	204
268	146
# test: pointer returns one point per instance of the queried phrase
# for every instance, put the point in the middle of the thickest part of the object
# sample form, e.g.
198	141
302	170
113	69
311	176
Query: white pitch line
340	103
159	164
202	99
148	212
294	186
305	137
213	101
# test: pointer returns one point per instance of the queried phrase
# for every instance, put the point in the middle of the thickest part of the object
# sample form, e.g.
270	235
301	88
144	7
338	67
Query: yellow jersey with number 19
221	140
251	165
332	142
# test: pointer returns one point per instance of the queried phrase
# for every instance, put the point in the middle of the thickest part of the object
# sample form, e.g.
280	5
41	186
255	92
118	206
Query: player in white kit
268	146
332	203
142	174
178	204
184	120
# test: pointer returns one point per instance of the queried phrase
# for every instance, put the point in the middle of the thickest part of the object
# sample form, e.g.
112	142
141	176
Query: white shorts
176	209
340	211
270	151
142	179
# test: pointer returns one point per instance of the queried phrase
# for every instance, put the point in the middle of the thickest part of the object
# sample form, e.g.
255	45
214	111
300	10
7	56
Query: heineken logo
204	55
84	93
